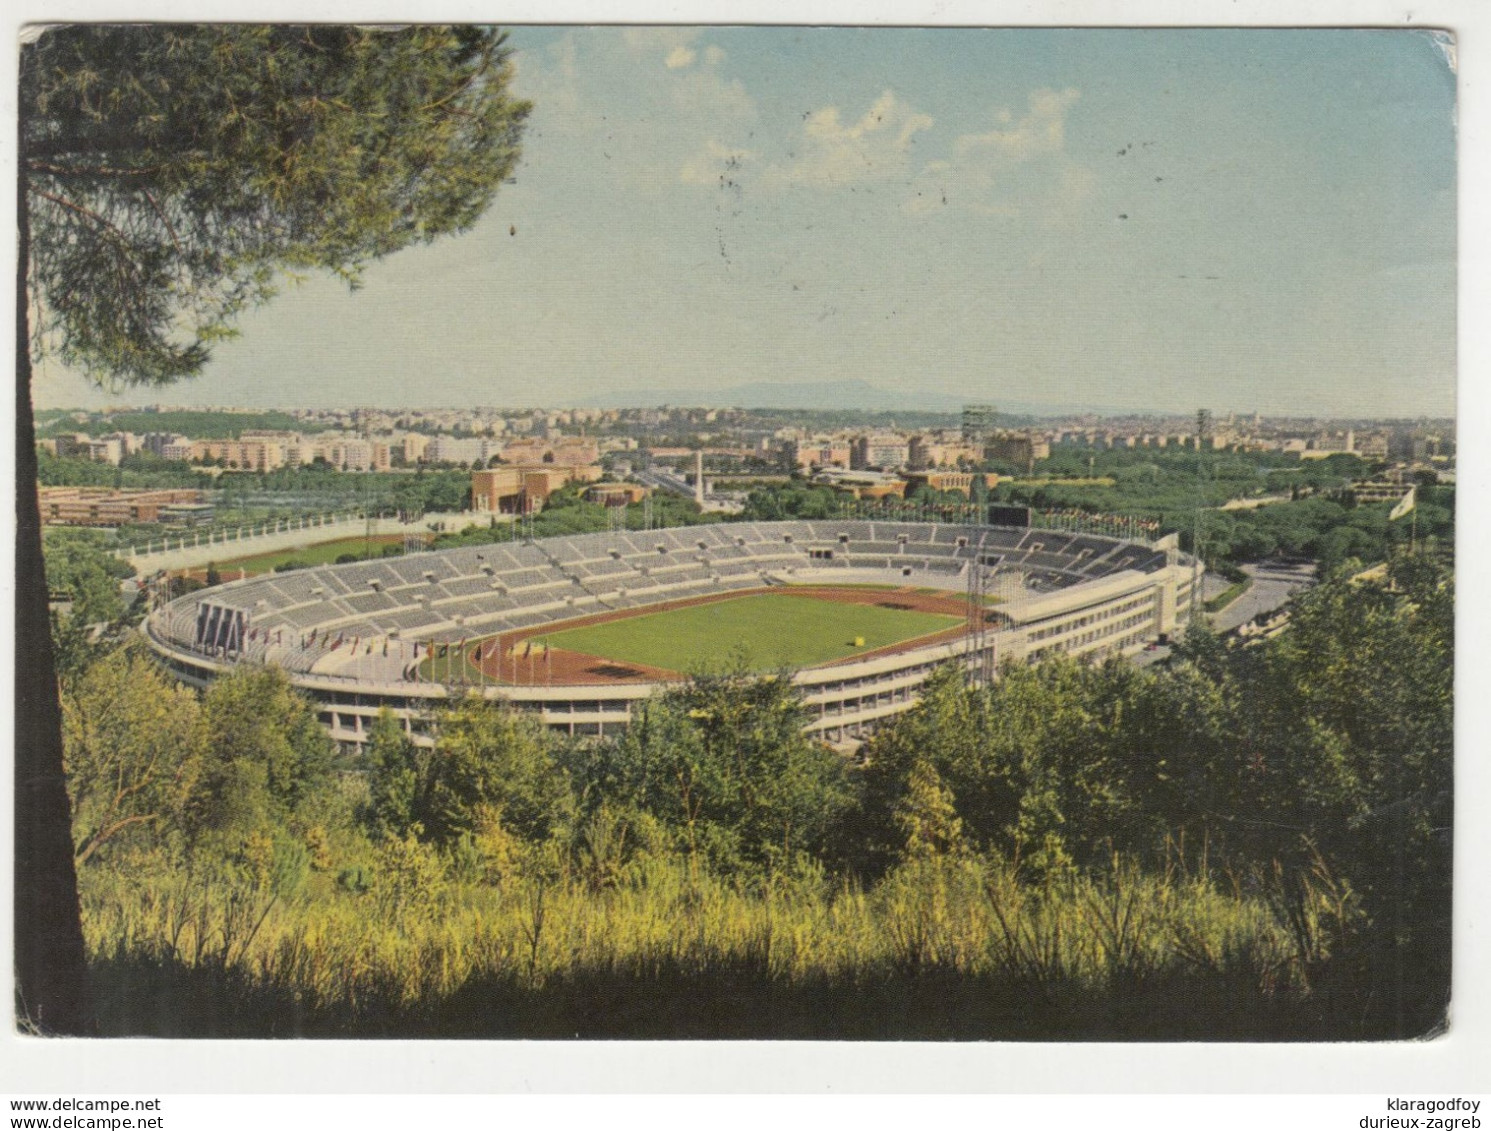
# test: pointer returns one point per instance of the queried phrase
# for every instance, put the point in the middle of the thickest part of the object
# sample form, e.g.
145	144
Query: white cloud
678	48
829	153
653	131
1041	131
715	163
1019	166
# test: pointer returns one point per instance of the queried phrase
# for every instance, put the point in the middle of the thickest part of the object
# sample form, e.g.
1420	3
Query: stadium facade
364	636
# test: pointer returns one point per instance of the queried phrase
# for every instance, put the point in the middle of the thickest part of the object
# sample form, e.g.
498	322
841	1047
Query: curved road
1273	584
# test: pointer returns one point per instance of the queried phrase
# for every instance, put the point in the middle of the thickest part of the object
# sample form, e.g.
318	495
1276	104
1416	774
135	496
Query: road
1273	583
661	479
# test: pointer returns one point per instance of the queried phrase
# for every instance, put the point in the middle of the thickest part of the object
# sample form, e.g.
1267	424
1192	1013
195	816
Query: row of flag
528	648
1111	523
421	649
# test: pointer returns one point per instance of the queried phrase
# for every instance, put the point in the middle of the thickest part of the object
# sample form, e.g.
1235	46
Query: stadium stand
1059	592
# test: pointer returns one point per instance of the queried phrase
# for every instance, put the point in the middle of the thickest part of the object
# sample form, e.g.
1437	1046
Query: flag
1405	504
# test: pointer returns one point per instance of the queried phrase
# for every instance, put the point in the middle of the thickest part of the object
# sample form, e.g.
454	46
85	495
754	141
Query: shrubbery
1263	829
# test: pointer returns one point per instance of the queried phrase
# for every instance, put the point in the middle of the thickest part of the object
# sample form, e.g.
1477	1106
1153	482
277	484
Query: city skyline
1135	221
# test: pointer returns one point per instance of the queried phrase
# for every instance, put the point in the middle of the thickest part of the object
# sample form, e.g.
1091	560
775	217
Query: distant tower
699	477
978	423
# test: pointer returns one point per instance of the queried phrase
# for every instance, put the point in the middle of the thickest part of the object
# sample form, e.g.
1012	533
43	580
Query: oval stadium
581	629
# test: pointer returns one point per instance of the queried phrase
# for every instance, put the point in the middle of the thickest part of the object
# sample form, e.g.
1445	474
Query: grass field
770	630
322	553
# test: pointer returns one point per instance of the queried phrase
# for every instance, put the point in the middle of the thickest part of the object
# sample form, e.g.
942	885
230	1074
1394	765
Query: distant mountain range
825	395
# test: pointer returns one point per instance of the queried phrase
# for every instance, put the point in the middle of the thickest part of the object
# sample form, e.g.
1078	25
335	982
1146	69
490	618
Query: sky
1121	220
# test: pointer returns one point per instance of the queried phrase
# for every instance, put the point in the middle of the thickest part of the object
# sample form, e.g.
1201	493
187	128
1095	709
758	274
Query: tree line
1302	786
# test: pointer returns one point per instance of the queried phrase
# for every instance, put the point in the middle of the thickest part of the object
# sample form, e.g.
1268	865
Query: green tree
947	734
492	764
393	778
790	500
724	763
173	173
134	743
169	177
1058	764
82	570
925	813
267	764
1354	729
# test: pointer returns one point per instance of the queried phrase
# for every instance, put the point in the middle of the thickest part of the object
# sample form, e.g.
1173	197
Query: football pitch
768	630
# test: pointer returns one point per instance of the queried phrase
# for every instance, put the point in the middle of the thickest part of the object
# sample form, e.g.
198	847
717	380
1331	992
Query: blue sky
1144	220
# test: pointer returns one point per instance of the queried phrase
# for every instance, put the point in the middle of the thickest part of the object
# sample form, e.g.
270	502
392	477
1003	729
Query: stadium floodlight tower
616	505
369	507
981	671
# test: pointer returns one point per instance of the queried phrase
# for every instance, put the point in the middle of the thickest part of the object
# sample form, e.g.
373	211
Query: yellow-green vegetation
1247	844
513	945
769	630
